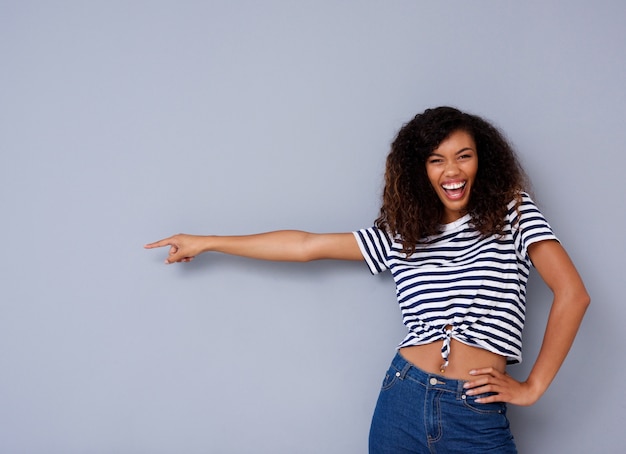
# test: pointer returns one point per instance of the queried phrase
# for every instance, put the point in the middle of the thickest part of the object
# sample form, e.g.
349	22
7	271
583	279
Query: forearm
565	318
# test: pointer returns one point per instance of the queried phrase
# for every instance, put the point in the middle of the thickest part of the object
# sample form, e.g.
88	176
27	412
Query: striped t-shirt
458	278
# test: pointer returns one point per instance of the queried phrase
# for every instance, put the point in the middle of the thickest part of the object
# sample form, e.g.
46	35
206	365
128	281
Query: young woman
458	234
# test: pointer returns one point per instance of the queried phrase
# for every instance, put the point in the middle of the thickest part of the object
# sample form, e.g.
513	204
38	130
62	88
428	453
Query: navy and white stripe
475	284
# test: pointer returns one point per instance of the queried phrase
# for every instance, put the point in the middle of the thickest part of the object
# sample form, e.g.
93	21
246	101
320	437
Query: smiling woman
459	234
452	169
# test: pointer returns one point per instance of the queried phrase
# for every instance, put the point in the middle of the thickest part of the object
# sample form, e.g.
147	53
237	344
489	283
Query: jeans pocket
490	408
391	378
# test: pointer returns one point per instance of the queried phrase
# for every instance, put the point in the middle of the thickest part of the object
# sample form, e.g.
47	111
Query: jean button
433	381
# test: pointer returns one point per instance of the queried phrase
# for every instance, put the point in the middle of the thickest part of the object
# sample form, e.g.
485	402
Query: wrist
536	389
207	243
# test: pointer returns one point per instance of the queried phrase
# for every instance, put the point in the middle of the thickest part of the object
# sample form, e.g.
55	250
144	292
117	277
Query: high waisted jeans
418	412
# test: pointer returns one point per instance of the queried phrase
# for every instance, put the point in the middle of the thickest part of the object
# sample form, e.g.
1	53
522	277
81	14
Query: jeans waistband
408	370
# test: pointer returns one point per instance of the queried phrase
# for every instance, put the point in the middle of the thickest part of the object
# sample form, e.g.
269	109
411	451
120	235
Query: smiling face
451	169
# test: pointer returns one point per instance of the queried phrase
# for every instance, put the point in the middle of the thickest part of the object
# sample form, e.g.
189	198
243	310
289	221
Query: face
451	169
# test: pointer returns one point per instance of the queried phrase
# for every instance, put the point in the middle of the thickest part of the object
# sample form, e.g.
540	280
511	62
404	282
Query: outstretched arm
283	245
568	308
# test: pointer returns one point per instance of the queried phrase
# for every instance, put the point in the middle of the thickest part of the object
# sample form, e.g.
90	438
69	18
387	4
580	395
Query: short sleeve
375	246
528	225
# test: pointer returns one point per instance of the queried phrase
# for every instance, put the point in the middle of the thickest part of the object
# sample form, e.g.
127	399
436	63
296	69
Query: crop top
458	279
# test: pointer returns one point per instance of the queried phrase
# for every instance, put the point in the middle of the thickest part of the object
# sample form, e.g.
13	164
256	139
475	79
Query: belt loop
405	370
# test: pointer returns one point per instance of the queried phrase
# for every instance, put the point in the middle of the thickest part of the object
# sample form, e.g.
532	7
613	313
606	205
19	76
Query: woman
458	233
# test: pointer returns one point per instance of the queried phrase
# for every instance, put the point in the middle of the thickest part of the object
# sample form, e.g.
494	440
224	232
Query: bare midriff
461	360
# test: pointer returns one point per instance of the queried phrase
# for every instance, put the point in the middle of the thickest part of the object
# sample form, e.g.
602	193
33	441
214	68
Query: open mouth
454	190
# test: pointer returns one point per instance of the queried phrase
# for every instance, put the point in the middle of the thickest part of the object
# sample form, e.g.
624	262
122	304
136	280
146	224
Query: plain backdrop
122	122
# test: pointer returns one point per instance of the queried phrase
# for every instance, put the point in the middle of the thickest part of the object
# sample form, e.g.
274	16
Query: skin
454	161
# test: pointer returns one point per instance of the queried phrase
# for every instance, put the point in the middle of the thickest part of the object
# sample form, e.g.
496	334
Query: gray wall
122	122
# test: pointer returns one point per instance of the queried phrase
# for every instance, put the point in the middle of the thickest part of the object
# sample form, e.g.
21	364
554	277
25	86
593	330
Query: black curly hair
411	208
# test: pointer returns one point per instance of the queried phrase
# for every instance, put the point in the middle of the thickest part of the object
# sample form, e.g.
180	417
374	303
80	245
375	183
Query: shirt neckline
455	224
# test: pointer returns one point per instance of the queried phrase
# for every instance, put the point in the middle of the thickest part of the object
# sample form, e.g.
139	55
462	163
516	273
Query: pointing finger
160	243
485	371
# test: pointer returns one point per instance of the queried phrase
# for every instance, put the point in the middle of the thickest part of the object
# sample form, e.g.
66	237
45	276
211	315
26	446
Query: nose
452	168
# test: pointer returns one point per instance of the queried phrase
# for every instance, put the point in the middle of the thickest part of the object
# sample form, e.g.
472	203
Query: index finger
485	371
160	243
481	376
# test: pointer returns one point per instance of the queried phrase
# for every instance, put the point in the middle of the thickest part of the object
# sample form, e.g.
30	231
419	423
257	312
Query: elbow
585	299
575	298
581	299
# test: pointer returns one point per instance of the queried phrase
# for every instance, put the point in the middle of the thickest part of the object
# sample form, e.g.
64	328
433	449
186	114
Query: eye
435	161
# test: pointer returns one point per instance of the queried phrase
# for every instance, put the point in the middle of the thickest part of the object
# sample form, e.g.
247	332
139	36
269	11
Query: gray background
122	122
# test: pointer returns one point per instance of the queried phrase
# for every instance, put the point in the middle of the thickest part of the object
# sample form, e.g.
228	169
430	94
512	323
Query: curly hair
411	208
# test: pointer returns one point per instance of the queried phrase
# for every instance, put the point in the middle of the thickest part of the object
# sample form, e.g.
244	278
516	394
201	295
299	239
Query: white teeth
452	186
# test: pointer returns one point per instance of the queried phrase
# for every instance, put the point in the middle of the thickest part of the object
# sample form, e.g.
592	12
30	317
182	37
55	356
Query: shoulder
523	208
522	199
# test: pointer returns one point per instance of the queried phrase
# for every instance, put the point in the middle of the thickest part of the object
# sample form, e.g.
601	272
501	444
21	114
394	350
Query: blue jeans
418	412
